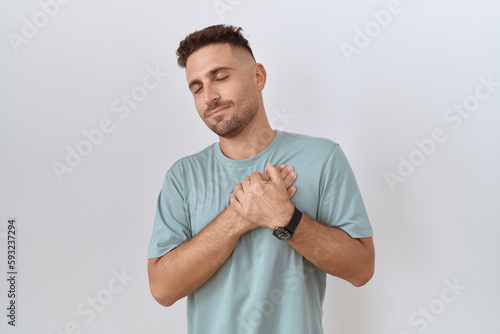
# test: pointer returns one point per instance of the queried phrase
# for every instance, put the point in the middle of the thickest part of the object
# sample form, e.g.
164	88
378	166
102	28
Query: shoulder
310	143
191	162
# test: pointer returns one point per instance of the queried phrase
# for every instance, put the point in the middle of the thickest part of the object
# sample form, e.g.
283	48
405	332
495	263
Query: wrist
285	217
286	232
236	224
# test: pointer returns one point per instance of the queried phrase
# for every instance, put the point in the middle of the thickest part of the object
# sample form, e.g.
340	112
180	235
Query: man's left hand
264	203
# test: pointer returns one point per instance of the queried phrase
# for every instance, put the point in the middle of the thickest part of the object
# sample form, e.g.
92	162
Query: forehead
211	56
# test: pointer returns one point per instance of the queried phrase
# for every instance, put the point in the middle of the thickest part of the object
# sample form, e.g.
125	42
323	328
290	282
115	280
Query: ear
260	76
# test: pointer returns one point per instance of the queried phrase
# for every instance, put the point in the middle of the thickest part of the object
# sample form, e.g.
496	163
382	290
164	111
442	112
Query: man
249	249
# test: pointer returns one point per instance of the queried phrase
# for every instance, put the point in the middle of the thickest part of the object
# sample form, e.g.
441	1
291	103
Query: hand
263	203
287	175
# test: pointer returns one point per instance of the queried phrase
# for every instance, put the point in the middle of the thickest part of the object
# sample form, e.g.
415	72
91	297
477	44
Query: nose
211	94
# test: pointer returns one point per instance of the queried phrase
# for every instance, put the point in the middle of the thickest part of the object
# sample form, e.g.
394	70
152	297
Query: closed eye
218	79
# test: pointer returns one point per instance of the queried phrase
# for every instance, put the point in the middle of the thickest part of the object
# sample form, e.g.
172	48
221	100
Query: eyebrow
209	74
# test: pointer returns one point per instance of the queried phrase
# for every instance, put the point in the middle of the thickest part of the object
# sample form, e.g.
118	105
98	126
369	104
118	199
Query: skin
227	85
219	76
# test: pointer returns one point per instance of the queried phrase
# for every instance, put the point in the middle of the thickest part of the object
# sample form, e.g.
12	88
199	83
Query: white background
438	227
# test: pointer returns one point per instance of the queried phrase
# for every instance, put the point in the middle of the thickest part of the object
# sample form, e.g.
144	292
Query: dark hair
211	35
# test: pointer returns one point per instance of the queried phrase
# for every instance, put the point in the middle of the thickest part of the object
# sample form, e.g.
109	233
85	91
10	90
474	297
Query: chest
207	195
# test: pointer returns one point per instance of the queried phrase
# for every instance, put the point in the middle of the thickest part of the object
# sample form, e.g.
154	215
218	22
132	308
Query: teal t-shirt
265	286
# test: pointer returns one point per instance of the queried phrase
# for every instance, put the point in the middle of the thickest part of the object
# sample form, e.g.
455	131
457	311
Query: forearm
334	251
187	267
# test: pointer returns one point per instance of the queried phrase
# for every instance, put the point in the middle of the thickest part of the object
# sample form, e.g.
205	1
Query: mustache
216	105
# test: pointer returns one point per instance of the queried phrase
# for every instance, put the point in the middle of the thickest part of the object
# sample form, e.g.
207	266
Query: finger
285	172
246	182
265	175
281	167
290	179
291	191
234	201
274	173
238	190
255	176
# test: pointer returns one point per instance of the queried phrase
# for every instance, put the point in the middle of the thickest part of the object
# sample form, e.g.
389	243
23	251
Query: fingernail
294	174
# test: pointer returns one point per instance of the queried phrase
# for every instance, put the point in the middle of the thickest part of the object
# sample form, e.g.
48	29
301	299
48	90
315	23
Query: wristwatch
285	233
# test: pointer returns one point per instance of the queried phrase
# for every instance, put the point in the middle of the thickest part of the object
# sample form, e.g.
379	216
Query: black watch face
282	233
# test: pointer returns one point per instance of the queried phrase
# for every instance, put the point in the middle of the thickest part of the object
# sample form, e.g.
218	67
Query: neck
250	142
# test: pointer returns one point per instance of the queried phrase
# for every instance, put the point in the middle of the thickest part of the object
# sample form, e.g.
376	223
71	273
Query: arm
334	251
265	203
187	267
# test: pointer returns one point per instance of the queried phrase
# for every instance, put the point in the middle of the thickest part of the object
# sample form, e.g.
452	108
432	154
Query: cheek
247	95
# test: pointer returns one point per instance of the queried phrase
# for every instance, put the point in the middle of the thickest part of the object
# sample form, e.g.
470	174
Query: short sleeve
171	226
341	204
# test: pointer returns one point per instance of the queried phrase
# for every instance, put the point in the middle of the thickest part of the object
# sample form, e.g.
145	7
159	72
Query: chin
228	134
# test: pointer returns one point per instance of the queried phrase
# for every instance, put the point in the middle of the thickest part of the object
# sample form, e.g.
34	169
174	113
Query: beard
237	122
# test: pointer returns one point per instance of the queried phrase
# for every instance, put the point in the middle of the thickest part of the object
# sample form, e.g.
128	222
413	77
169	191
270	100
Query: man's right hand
287	176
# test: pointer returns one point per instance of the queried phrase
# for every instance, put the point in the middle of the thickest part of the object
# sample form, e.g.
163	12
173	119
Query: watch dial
282	233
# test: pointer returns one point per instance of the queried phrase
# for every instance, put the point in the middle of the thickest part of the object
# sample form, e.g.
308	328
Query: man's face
225	93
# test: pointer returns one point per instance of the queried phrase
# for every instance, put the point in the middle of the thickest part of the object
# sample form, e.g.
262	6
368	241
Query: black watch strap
294	221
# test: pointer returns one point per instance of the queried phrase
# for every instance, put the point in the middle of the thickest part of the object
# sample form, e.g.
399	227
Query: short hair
211	35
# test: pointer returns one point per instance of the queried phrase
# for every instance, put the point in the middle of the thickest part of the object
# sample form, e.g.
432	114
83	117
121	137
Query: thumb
273	172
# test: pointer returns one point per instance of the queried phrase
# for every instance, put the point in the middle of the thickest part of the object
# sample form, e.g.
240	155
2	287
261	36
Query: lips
217	111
